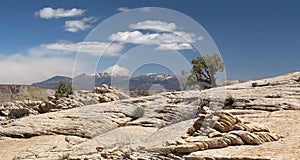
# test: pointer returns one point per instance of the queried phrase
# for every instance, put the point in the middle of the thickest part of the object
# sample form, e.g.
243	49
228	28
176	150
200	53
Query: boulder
46	106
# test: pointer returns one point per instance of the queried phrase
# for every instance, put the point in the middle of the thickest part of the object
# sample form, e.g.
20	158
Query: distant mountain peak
141	82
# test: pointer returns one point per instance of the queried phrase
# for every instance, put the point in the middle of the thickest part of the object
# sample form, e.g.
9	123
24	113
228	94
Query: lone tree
206	67
63	89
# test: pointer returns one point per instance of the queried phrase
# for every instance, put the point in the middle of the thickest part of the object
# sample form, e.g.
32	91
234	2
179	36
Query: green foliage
146	93
205	68
104	155
228	107
18	113
126	156
64	156
63	89
229	102
138	113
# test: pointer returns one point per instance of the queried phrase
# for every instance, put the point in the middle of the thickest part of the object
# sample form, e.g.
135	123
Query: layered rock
163	126
282	92
218	130
18	109
9	93
93	120
107	93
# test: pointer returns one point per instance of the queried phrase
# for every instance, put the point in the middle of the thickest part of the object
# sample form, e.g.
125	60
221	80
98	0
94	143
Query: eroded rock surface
18	109
165	126
282	92
219	130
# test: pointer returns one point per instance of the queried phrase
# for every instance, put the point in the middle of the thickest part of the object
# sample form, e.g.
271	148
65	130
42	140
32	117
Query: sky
41	39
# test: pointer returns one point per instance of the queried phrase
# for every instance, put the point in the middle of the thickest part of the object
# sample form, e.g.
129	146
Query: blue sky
256	38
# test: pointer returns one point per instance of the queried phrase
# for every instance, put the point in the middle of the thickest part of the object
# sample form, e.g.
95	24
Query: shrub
138	113
146	93
229	102
126	156
104	155
228	107
18	113
63	89
64	156
254	84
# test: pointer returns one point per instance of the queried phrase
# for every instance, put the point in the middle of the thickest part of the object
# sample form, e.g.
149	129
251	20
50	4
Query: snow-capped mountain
141	82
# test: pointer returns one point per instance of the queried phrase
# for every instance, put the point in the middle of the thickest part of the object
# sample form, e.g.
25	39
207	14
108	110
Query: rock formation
173	125
218	130
18	109
9	93
268	94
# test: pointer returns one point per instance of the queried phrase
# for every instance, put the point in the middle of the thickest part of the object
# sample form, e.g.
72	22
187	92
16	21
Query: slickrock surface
270	94
18	109
172	125
285	123
92	120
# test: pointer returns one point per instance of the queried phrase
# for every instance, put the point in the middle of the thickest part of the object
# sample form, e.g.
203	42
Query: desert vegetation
63	89
204	71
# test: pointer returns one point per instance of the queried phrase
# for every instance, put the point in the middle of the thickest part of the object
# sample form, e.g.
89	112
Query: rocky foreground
259	120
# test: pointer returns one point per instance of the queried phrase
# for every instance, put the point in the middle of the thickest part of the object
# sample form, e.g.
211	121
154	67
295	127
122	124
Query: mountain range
142	82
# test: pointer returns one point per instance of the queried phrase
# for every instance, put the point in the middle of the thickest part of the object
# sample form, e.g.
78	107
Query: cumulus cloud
165	41
123	9
79	25
167	37
92	48
154	25
116	70
26	69
175	46
48	12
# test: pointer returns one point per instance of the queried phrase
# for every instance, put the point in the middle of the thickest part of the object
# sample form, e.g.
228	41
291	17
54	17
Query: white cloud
26	69
92	48
168	36
200	38
165	41
123	9
116	70
79	25
175	46
48	12
154	25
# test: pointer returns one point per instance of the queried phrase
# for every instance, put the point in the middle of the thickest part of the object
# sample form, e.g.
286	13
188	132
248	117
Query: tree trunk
213	81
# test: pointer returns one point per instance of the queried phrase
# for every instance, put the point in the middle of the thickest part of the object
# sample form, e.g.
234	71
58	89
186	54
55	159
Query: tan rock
74	140
186	148
234	139
216	143
247	137
223	126
242	126
202	145
265	136
258	128
225	122
214	134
